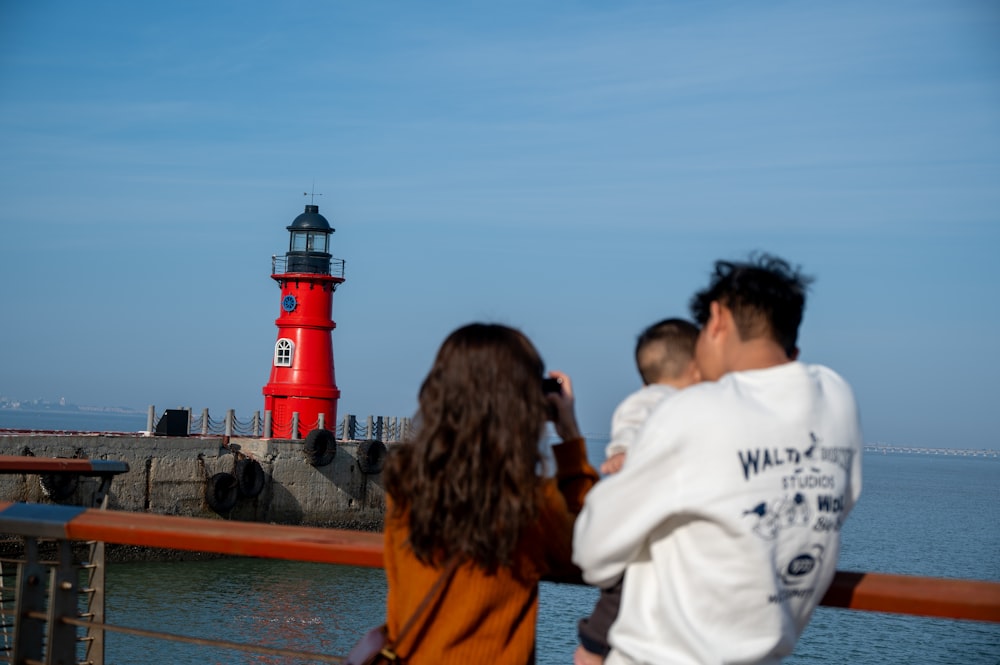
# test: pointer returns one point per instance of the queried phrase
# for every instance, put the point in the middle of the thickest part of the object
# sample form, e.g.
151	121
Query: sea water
71	420
921	515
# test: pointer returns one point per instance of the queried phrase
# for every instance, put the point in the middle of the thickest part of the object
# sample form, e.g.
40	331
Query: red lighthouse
302	377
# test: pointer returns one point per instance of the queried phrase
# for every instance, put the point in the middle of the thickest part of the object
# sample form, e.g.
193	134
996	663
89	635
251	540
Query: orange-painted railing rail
909	594
43	465
903	594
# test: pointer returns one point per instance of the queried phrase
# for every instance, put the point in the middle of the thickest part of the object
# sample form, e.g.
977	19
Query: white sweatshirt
726	517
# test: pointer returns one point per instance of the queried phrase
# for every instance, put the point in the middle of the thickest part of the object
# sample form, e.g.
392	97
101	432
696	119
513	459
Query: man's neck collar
760	353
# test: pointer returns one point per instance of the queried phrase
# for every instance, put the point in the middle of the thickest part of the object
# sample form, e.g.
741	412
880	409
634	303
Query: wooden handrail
45	465
910	594
877	592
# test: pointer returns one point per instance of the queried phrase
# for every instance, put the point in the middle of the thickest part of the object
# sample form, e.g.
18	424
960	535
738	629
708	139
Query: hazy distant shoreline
70	408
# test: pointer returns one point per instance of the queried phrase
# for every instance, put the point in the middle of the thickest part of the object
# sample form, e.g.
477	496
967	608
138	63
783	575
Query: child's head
664	353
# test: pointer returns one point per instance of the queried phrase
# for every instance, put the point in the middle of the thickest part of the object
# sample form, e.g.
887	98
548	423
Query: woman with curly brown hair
466	505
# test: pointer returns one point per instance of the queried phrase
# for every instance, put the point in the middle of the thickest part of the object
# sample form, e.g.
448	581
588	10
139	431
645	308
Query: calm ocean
921	515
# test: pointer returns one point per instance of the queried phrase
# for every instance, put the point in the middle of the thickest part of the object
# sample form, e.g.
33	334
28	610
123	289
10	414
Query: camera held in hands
551	386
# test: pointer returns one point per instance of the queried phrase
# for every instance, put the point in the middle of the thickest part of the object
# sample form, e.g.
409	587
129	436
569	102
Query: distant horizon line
16	405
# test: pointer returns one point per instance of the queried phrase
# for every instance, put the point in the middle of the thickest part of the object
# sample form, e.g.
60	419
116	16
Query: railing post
150	417
230	416
204	422
295	426
64	593
370	429
378	428
190	419
321	423
95	605
255	424
352	428
267	424
28	631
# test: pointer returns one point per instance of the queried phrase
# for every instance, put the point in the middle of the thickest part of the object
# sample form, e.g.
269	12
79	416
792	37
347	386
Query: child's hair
664	350
468	480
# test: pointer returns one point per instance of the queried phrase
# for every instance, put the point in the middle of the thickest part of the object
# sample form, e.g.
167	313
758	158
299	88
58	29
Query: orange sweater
489	618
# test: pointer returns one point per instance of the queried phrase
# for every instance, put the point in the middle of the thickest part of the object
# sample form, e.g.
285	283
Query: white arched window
284	349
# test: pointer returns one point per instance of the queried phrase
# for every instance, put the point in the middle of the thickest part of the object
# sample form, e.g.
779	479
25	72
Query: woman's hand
562	405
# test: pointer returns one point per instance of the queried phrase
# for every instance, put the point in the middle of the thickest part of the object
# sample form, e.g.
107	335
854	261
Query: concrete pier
173	476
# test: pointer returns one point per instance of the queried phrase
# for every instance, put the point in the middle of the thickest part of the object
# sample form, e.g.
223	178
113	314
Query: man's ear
716	321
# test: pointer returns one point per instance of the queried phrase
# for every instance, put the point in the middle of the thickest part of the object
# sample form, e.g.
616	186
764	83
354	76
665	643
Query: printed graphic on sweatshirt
800	465
783	512
799	570
808	485
798	575
809	498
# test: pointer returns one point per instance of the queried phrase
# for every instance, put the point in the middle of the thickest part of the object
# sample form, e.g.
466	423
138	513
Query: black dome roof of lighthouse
311	220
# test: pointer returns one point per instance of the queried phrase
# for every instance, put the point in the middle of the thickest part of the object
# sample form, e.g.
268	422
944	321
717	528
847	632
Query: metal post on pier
255	424
150	418
321	423
295	426
230	416
267	424
204	422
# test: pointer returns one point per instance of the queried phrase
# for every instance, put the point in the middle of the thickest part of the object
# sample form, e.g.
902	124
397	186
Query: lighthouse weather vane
312	194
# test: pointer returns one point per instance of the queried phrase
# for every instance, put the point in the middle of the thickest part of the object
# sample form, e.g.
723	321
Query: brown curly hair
469	478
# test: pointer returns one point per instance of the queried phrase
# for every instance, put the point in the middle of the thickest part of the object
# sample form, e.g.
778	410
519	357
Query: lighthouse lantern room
302	377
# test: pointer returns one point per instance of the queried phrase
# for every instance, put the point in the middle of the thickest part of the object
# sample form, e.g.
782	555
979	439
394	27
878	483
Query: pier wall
171	476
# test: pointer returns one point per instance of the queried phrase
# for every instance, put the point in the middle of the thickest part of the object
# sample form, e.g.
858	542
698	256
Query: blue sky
569	168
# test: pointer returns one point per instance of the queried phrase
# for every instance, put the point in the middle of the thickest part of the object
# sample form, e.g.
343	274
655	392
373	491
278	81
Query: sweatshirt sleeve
623	509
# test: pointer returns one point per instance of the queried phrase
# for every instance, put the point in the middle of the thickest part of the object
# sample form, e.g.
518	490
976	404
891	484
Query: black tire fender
250	477
371	456
58	486
320	447
222	492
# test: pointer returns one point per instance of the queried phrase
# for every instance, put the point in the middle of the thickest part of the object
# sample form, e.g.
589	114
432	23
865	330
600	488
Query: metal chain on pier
216	426
247	427
198	424
380	428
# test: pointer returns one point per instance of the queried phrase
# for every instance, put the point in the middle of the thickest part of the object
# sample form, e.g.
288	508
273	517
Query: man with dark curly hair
725	518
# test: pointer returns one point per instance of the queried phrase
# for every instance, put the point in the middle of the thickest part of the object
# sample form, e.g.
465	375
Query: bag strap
431	595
